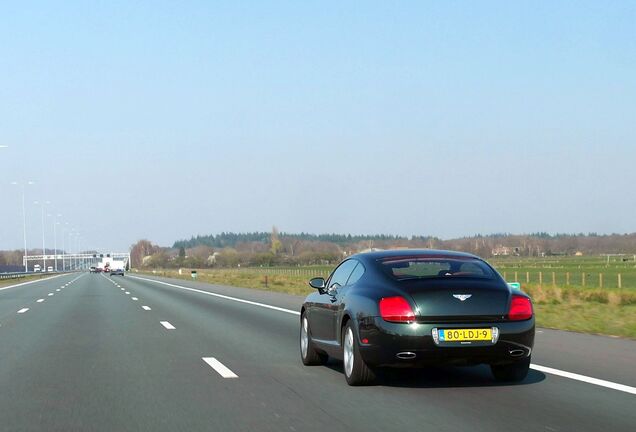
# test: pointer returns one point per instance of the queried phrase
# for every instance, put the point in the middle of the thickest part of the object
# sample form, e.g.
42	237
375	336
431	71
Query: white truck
37	268
108	264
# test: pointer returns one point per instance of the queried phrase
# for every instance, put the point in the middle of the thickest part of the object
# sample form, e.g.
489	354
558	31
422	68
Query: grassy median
588	310
15	281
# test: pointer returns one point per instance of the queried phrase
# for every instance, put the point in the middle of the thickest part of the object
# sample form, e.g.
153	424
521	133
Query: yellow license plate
462	335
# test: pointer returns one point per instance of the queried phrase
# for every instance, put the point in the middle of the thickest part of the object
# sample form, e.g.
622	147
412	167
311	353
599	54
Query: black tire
513	372
356	371
308	353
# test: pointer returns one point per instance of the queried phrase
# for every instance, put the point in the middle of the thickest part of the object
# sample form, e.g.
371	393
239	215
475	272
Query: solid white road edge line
586	379
263	305
167	325
23	310
219	367
145	308
29	282
570	375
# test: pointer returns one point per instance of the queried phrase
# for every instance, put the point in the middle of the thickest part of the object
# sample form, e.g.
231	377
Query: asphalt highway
89	352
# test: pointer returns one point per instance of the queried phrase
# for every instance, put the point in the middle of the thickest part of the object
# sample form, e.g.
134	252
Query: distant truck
37	268
109	264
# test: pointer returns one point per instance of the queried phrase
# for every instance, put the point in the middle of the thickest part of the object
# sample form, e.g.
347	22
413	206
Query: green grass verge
588	310
602	311
7	282
285	283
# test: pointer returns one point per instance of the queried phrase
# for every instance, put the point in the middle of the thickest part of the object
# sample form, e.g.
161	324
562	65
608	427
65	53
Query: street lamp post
42	204
70	247
79	248
64	248
55	224
73	242
26	265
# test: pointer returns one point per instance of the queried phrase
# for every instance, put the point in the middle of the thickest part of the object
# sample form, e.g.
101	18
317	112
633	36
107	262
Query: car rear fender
346	317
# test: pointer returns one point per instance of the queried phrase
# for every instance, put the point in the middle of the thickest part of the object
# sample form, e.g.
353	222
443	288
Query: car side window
356	274
342	273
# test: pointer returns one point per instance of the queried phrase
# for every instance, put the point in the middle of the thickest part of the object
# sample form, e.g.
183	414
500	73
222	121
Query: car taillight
396	309
520	308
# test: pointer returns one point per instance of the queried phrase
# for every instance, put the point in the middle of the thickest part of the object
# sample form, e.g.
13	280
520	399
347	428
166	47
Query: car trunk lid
458	299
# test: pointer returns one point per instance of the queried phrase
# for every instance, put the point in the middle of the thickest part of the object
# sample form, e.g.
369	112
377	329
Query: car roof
423	253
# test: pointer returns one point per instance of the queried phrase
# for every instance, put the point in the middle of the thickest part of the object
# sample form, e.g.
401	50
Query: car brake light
396	309
520	308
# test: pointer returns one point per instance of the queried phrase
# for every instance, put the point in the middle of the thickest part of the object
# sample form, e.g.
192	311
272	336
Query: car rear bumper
409	345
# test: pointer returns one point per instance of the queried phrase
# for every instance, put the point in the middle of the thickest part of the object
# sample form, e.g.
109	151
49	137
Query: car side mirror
318	283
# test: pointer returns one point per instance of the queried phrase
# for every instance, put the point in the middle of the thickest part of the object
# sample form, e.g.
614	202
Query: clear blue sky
161	120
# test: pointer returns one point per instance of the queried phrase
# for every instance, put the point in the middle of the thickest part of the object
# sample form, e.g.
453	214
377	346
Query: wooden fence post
620	281
600	280
553	279
505	278
527	277
540	278
567	279
583	278
516	279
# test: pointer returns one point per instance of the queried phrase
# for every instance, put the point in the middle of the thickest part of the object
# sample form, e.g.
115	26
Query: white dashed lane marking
135	298
219	367
146	308
23	310
39	300
585	379
167	325
50	294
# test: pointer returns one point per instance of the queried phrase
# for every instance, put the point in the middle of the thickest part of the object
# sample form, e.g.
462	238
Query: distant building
506	251
578	253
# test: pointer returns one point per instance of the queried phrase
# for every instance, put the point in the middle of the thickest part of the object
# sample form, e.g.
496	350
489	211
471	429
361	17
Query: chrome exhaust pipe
407	355
516	353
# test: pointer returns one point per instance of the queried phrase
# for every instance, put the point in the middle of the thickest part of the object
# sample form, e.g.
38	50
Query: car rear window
403	268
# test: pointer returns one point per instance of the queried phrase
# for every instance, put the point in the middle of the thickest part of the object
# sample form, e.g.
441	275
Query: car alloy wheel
348	353
304	338
308	354
355	369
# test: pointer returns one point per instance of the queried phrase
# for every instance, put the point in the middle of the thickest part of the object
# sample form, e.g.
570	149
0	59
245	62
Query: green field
591	272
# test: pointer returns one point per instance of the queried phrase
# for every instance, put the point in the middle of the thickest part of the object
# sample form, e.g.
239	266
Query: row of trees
275	248
233	239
